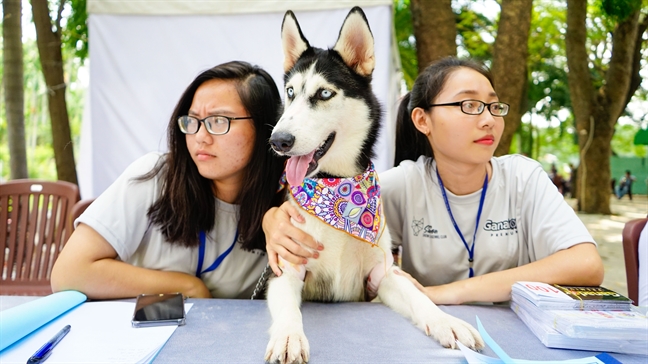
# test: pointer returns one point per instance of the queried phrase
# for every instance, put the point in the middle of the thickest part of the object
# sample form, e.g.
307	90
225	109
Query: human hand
285	240
445	294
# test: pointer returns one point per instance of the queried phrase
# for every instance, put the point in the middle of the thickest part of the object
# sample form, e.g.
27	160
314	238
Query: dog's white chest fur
340	272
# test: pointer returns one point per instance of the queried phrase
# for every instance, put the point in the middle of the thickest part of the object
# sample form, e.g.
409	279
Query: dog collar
351	205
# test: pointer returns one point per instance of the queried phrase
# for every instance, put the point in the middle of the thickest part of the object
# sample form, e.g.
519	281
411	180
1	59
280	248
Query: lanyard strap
471	249
219	259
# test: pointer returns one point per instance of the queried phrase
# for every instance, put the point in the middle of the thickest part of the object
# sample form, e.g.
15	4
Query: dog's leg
400	294
288	343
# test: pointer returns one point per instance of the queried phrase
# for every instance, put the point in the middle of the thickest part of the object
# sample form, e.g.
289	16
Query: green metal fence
638	167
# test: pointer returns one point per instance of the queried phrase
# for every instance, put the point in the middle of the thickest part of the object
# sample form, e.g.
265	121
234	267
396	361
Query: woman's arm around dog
282	237
579	265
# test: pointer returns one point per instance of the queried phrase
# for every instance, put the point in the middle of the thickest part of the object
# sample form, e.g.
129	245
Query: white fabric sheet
140	65
174	7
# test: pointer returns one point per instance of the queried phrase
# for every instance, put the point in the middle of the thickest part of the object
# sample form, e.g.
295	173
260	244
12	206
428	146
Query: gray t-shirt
524	219
119	216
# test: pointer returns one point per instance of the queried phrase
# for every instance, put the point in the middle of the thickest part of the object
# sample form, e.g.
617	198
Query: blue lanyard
471	249
218	261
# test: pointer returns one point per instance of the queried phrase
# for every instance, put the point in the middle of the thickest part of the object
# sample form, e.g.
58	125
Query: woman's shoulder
149	159
516	165
407	171
410	166
144	164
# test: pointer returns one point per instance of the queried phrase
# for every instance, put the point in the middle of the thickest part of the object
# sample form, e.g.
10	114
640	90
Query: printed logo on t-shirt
428	230
501	228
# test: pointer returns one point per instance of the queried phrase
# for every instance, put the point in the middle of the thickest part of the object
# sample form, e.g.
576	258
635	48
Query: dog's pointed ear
292	39
356	44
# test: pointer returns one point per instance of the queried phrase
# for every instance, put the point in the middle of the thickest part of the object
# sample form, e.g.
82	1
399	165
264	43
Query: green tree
599	81
48	37
13	86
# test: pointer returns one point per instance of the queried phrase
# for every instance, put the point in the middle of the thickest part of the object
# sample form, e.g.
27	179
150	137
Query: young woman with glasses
189	220
469	224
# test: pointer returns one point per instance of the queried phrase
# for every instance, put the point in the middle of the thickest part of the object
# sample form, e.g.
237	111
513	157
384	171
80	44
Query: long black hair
187	204
410	142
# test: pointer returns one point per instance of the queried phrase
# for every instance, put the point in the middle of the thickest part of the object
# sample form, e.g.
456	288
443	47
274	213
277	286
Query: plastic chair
33	228
79	208
631	232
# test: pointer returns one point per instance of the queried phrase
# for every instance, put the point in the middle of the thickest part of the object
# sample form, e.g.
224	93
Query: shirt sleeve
552	223
393	197
119	214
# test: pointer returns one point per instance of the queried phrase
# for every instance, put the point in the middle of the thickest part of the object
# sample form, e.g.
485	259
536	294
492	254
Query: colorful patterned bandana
351	205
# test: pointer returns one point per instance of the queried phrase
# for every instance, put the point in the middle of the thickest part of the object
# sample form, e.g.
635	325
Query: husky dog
328	130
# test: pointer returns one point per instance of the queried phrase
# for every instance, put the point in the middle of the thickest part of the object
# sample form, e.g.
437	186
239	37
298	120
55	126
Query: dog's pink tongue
297	167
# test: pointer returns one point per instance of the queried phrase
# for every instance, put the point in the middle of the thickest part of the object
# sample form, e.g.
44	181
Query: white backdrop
144	53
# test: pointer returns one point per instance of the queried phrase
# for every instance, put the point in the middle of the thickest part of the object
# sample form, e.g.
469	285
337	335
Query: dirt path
607	229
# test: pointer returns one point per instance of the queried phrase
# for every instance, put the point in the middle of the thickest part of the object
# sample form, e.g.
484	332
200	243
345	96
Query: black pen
46	350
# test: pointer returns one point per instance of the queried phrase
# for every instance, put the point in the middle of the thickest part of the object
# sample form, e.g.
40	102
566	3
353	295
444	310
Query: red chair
79	208
34	225
631	232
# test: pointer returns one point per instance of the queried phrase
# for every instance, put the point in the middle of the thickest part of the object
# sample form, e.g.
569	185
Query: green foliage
547	61
549	145
623	141
405	39
472	28
74	36
619	10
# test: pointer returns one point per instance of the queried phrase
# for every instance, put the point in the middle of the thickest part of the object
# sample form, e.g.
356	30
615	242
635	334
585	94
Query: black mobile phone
159	310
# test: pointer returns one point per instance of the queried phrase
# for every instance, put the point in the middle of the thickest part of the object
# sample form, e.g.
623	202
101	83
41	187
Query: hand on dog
284	239
440	295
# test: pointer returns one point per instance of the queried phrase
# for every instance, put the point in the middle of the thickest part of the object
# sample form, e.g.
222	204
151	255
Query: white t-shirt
524	219
643	267
119	215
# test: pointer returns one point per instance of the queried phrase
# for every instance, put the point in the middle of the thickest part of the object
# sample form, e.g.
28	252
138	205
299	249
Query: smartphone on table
159	310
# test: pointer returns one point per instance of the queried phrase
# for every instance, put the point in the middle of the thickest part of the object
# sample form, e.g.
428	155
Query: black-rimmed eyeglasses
215	124
476	107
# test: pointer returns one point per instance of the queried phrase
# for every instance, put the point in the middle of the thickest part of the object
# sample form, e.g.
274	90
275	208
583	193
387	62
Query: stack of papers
597	330
552	338
556	297
473	357
101	333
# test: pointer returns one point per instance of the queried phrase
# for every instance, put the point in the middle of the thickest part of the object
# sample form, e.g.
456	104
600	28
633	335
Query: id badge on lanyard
471	249
219	259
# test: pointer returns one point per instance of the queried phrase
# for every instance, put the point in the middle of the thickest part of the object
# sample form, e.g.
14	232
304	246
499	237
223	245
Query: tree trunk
509	67
49	49
13	87
596	110
435	30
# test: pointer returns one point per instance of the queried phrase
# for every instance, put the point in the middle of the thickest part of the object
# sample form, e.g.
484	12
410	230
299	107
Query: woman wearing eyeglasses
470	224
189	220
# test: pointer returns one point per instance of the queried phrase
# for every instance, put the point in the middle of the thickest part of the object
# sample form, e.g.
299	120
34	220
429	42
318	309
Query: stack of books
583	318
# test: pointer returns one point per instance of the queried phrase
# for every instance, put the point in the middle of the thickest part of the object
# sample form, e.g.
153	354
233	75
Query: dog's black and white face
331	118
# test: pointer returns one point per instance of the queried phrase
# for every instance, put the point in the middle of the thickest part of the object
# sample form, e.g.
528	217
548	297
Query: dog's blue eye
290	92
326	94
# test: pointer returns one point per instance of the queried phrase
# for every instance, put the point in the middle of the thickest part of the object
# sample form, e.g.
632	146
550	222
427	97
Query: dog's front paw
447	329
288	348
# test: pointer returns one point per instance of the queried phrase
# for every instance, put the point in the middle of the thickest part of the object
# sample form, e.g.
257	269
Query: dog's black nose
282	142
